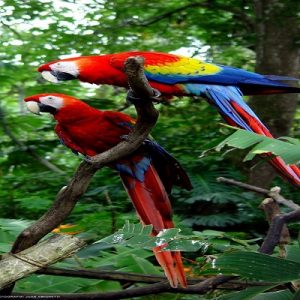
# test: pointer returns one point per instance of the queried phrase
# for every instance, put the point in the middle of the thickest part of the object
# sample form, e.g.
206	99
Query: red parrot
173	75
147	175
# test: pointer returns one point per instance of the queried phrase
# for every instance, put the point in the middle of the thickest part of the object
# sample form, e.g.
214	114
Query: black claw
88	159
124	137
156	96
132	97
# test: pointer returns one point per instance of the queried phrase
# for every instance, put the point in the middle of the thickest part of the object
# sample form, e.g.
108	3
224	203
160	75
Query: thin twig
273	192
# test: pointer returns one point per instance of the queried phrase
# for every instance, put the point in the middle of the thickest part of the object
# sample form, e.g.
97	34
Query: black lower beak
62	76
47	108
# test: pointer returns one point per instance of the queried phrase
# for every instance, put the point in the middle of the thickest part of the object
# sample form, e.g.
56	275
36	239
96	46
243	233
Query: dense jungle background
260	36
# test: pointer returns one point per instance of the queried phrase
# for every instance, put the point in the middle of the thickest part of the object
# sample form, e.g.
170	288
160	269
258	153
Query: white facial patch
33	107
69	67
54	101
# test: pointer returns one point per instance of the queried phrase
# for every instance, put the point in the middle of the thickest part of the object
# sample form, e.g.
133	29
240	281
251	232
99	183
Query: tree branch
146	119
60	209
156	288
55	248
274	192
272	210
135	277
277	229
274	233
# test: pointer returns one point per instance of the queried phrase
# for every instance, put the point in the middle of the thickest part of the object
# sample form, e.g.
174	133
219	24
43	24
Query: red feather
153	207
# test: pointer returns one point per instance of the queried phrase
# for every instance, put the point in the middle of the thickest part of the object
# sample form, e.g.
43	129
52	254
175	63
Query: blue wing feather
222	97
226	76
135	169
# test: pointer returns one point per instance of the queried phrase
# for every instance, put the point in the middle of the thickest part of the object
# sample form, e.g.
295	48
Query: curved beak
56	76
33	107
37	107
47	75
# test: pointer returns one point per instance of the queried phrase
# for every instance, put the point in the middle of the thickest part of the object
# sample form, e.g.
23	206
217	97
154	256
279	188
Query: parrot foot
156	96
88	159
133	98
124	137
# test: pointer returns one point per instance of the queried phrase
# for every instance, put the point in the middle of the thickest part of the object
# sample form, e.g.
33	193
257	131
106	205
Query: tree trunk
277	49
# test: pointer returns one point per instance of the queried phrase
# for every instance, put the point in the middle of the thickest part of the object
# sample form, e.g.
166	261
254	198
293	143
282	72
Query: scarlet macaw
222	86
147	175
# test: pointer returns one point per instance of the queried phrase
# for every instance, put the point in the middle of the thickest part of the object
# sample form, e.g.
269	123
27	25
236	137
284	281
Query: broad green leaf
187	245
278	295
245	294
54	284
13	225
136	235
5	247
241	139
257	266
293	253
296	295
289	149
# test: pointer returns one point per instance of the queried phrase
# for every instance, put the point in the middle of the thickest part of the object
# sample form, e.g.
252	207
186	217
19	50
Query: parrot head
51	103
82	68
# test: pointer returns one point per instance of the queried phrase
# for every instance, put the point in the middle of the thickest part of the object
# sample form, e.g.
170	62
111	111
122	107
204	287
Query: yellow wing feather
184	66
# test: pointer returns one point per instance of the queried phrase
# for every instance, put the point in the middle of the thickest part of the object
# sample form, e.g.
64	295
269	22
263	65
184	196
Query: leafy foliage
288	148
257	266
140	236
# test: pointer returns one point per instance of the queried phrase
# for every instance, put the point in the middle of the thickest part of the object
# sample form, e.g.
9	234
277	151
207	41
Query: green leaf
136	235
293	253
53	284
289	149
296	295
279	295
187	245
246	294
257	266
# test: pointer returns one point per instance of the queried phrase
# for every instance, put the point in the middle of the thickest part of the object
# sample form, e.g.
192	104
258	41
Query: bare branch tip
275	189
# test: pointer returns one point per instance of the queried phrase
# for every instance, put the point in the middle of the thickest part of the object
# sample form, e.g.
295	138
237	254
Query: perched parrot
222	86
147	175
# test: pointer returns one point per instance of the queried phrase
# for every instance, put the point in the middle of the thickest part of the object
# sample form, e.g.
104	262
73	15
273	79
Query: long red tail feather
153	207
